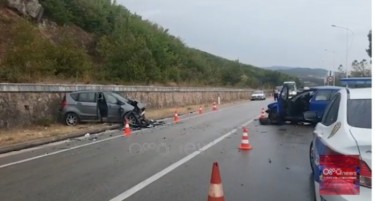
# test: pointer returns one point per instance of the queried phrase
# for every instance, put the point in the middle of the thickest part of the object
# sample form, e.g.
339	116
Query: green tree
57	10
360	69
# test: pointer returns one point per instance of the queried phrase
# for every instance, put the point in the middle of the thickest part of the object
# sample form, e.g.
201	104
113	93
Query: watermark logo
187	148
339	174
332	171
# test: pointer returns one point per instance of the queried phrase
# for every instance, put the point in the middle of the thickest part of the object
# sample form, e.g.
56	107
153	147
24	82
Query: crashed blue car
292	109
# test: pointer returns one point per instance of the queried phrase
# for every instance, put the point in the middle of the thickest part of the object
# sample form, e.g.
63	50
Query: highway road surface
170	162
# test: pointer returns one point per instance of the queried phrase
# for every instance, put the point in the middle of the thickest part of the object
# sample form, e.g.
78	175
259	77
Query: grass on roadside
19	135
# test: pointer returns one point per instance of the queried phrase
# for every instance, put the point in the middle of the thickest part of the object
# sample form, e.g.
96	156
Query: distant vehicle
291	109
292	87
85	106
258	95
344	130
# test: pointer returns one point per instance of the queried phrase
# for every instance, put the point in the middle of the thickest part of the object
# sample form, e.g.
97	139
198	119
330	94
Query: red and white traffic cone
127	129
262	114
245	143
200	110
215	192
214	106
176	117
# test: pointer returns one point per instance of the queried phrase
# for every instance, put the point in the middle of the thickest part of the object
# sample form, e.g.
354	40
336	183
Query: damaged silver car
101	106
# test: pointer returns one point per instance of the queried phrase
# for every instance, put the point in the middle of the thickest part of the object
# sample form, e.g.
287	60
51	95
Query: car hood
141	105
272	105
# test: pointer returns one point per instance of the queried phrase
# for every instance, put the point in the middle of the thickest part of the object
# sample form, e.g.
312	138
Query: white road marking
57	152
170	168
108	132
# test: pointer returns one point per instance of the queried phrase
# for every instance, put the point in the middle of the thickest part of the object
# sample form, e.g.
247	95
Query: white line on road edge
108	132
170	168
57	152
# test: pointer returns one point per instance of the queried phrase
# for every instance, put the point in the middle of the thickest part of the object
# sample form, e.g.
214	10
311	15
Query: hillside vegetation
310	76
301	72
94	41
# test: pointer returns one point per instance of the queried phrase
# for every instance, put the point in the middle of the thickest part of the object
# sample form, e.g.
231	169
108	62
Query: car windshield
291	86
304	95
119	97
359	113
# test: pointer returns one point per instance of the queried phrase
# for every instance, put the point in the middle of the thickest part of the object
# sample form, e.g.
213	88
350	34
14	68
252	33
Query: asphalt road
171	162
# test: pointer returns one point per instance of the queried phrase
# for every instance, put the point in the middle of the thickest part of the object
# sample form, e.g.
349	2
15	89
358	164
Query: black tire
264	121
274	119
132	119
71	119
311	157
294	122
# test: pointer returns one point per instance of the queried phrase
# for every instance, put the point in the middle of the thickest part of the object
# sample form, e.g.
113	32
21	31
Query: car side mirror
311	116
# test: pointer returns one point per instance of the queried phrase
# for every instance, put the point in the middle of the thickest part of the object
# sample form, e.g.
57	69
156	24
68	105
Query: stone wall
25	104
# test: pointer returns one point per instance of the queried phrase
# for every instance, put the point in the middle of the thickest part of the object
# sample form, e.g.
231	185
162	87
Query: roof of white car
360	93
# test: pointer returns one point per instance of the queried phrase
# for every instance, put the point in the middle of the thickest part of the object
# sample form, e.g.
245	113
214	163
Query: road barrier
23	104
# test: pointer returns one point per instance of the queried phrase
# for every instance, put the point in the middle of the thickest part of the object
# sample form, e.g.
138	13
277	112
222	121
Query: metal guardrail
26	87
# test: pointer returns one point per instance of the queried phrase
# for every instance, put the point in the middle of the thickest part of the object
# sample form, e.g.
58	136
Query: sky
265	33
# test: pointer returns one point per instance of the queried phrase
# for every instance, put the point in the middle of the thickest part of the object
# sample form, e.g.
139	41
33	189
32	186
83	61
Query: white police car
344	130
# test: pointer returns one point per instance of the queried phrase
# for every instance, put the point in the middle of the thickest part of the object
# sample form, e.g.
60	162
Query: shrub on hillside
33	58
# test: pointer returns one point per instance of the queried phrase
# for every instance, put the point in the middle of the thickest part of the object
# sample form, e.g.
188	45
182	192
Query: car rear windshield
359	113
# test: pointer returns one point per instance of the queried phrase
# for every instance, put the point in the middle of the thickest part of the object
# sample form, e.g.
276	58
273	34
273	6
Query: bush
33	58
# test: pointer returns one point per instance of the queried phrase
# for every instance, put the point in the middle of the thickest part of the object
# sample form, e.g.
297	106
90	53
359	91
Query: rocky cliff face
30	8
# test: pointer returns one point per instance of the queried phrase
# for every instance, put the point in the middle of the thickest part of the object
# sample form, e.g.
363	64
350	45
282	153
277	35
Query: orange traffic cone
245	143
214	107
200	110
215	192
127	129
262	114
176	117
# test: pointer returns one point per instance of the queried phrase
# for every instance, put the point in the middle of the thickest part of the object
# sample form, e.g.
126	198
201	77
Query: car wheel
71	119
132	119
273	117
264	121
293	122
311	157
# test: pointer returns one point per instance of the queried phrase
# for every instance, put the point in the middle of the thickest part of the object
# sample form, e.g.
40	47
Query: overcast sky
266	32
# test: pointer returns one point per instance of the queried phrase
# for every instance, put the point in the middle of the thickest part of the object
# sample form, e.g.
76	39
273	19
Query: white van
292	87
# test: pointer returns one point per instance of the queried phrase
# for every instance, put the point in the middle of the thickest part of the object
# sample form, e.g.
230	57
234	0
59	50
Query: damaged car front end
102	106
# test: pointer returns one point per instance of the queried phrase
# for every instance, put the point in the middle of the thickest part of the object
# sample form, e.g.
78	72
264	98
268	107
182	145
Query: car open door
114	113
282	101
